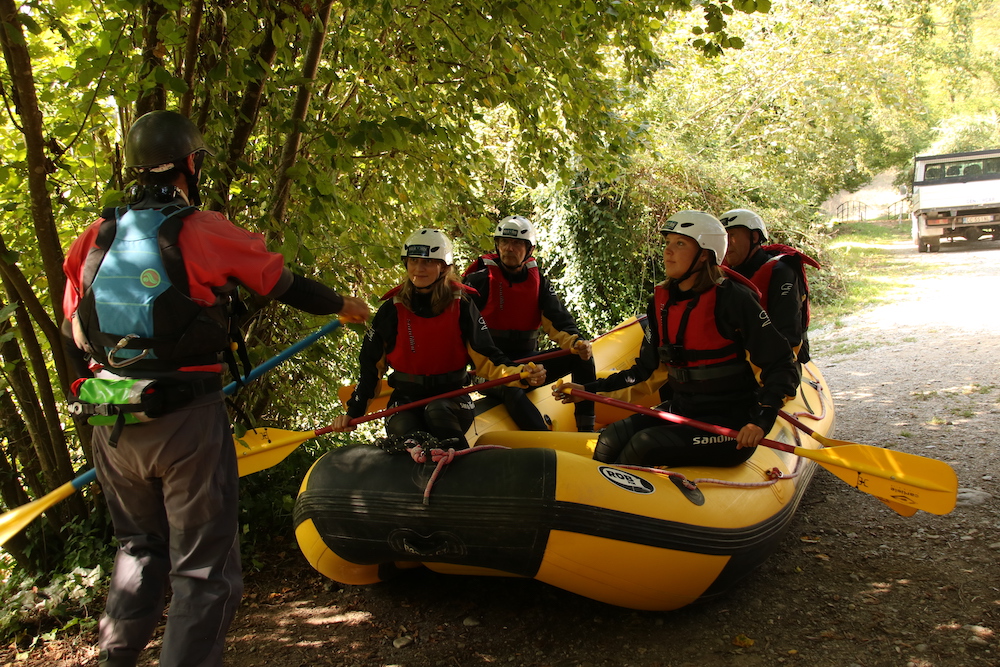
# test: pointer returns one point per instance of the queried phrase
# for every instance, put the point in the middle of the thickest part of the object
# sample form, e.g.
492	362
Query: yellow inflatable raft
537	505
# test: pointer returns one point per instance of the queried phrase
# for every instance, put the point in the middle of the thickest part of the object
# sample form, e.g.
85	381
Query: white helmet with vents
430	244
516	227
702	227
743	217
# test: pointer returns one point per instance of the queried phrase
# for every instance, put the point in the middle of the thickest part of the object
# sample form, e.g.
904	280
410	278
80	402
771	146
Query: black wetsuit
732	401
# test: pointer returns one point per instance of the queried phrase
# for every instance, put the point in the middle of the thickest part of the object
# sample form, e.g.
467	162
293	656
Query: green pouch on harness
106	400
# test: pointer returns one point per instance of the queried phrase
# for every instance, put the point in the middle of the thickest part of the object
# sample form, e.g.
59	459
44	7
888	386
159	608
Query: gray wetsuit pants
172	488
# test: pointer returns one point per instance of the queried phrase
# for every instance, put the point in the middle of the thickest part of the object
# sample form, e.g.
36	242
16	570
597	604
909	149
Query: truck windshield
936	171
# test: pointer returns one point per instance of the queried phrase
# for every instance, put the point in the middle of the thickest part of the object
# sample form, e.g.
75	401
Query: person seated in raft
777	271
704	322
428	331
516	300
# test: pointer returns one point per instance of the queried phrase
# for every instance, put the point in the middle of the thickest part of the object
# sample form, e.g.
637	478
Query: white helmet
516	227
743	217
702	227
429	243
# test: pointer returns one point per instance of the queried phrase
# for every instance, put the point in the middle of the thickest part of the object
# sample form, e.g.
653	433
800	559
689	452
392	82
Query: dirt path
852	584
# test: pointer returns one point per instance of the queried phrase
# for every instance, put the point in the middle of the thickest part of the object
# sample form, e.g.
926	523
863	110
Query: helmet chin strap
193	176
691	269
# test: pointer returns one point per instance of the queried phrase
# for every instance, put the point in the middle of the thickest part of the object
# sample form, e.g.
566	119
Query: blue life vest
136	310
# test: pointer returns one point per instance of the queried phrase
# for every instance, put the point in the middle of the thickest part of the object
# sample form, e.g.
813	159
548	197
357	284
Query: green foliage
820	97
42	606
960	56
968	133
33	612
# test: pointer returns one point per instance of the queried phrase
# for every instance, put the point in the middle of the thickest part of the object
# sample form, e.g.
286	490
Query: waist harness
120	401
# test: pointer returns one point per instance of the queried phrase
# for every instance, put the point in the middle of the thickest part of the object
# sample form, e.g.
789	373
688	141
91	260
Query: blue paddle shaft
282	356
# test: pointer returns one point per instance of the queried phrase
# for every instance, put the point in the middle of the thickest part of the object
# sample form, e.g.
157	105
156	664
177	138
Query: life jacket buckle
121	344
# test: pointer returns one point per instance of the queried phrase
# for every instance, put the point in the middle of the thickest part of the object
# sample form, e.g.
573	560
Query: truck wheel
934	246
922	244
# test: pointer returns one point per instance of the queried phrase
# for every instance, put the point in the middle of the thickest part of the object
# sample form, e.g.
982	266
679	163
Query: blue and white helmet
430	244
703	227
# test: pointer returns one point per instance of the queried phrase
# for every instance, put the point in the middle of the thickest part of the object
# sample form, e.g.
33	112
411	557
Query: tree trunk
13	496
191	54
282	186
246	118
26	106
154	98
19	446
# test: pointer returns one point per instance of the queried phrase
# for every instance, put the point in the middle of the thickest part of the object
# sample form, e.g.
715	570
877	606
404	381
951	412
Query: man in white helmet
778	272
517	301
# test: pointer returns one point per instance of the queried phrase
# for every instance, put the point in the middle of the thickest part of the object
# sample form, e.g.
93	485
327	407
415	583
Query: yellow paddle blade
895	478
262	448
831	442
17	519
379	402
902	510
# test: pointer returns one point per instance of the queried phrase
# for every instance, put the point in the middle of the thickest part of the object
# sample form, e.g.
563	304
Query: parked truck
955	195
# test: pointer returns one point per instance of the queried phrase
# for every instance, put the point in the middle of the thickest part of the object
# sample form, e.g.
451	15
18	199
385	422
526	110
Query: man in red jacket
778	272
148	304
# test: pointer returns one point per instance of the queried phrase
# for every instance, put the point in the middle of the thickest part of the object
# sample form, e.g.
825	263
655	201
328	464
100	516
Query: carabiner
121	344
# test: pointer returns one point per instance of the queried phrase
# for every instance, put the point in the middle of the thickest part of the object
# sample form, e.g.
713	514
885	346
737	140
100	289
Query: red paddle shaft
677	419
424	401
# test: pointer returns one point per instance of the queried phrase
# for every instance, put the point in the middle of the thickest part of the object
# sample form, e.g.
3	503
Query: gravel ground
852	584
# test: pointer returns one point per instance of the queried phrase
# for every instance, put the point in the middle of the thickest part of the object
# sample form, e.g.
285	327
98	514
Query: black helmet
162	137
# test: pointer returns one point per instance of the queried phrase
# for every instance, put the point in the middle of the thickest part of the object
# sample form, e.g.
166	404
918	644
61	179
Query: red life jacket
428	345
688	327
512	306
762	277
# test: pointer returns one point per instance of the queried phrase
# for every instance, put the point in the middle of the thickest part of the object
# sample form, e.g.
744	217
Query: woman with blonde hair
428	331
708	332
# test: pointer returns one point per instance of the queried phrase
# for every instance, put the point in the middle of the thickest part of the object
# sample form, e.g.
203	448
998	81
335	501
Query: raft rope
774	475
423	448
441	457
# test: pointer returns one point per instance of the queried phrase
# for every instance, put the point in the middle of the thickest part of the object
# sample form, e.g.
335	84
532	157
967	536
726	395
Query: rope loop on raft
774	475
425	448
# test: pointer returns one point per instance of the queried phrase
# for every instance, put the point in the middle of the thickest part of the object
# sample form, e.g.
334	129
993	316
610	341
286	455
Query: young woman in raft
704	323
428	331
